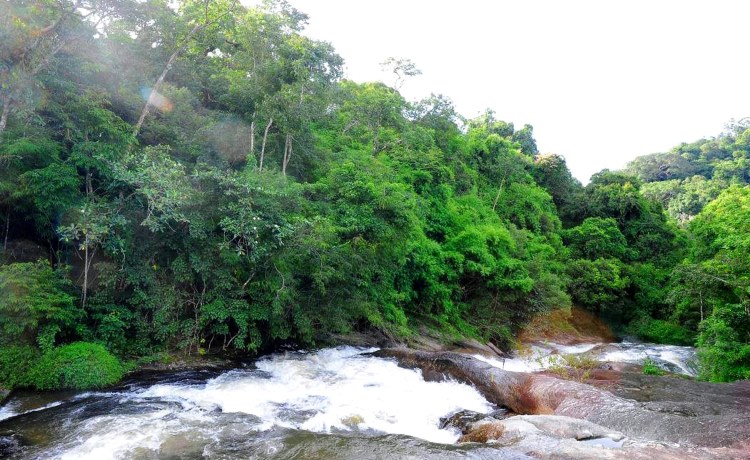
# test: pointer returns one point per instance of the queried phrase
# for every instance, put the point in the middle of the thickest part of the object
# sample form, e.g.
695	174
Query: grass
650	367
569	366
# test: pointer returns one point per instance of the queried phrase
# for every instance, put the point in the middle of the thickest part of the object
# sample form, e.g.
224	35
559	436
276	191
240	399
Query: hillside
199	179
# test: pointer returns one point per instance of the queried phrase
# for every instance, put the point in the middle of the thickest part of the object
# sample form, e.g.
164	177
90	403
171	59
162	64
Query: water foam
332	390
677	358
7	412
536	357
11	410
540	356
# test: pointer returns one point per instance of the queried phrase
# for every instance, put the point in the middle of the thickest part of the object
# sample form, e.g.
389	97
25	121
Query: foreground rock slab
726	430
559	437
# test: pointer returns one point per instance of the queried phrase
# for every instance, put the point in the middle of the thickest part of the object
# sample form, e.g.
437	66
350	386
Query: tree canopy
197	177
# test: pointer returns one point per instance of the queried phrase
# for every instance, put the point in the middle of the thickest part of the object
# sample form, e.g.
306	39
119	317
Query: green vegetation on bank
258	199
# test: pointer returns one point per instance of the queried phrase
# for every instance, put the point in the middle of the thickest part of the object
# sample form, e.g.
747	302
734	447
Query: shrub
78	366
15	363
35	304
723	352
659	331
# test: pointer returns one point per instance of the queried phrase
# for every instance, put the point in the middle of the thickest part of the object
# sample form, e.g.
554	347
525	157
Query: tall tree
199	15
33	32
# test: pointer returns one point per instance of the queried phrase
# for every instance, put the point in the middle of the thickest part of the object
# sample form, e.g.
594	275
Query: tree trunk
499	192
252	139
86	262
89	186
287	153
160	80
263	145
7	229
13	88
197	28
6	111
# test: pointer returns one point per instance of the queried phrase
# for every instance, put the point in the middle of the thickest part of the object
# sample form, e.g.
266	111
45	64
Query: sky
601	81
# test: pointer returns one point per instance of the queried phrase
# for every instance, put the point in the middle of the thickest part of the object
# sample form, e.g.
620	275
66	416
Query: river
333	403
536	357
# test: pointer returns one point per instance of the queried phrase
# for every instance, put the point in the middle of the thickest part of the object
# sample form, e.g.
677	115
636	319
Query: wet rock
425	340
524	393
501	413
555	437
568	427
463	420
483	431
371	338
307	445
8	446
668	407
181	446
352	421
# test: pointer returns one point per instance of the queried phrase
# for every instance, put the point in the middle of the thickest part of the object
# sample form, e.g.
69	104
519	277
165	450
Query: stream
536	357
332	403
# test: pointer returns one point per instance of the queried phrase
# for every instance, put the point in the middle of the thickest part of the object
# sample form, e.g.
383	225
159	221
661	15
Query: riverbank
334	402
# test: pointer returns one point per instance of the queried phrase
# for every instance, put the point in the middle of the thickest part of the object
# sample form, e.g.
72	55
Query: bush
15	363
77	366
659	331
35	304
723	352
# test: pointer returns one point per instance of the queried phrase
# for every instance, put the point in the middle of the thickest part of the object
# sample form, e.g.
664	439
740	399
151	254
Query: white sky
601	81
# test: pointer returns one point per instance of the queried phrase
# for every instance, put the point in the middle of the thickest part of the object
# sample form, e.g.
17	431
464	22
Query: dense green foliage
15	364
75	366
196	177
691	175
704	185
657	330
79	365
35	304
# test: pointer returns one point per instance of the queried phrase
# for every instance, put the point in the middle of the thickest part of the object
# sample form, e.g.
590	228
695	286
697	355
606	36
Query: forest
198	178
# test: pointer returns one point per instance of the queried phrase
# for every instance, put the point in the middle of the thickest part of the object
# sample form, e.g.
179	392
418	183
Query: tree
203	14
721	246
35	304
525	139
33	32
93	226
551	172
597	238
401	68
600	286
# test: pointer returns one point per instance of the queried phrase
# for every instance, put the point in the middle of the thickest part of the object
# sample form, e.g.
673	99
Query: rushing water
334	403
672	358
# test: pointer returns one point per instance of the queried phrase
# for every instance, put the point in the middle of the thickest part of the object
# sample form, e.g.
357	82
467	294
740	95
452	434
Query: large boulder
560	437
686	424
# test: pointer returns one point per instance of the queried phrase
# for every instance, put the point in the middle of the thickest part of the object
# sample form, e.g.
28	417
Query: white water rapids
332	403
672	358
334	390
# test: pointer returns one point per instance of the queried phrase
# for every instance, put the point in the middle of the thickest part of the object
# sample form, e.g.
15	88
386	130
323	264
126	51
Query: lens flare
157	100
